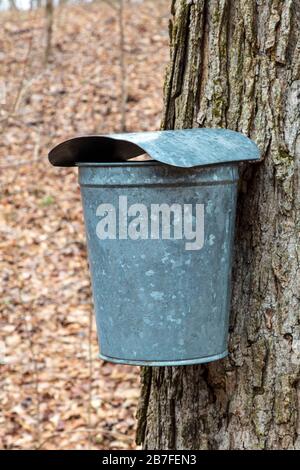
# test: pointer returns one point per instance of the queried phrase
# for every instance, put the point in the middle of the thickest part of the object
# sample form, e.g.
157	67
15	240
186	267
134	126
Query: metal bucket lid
181	148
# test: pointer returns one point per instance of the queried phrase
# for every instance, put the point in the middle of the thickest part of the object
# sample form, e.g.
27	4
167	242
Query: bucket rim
180	362
130	163
120	164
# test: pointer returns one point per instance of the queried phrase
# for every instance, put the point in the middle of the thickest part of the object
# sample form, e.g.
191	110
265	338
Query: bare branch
20	91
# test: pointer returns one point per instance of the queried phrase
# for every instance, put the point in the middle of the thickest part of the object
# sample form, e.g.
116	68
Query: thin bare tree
122	65
49	29
118	6
13	5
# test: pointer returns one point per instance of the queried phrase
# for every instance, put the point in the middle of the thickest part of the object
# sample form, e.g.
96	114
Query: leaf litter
54	392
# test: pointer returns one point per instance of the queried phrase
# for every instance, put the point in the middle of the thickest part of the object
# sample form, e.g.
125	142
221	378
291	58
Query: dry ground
54	392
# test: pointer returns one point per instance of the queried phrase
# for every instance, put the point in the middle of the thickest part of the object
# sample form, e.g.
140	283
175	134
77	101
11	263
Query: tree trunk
49	29
236	64
123	71
13	5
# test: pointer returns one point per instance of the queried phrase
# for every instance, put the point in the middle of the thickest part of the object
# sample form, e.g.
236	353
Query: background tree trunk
49	29
236	64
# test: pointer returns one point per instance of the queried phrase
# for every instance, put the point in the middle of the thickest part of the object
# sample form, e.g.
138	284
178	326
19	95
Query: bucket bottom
184	362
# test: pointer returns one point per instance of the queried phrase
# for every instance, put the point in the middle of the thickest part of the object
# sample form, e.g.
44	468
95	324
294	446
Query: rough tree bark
236	64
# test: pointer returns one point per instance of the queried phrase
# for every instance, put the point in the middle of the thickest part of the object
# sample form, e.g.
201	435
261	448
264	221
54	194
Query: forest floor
54	392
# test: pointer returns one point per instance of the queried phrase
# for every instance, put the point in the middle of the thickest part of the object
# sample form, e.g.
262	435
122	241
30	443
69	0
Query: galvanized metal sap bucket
160	237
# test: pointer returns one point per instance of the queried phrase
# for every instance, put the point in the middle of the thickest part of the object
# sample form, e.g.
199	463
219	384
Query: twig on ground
90	360
106	432
34	360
